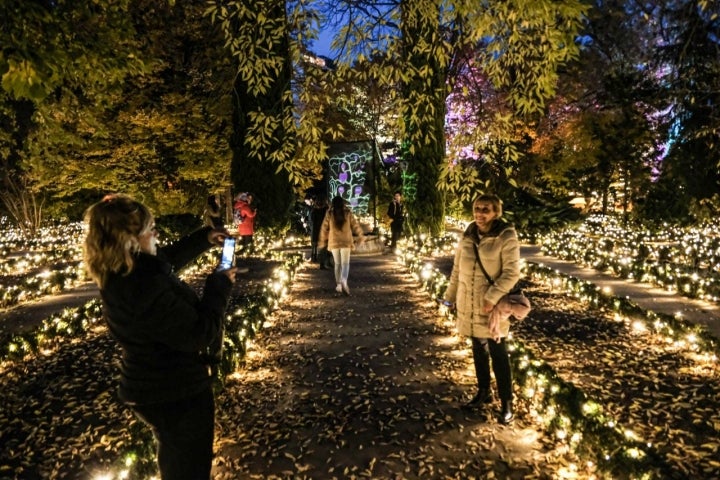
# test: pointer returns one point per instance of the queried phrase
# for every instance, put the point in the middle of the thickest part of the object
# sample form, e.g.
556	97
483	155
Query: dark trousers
184	433
246	240
485	348
396	229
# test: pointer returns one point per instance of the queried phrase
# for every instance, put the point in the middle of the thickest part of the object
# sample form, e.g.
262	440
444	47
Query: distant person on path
164	329
495	243
396	212
337	235
317	216
211	215
244	213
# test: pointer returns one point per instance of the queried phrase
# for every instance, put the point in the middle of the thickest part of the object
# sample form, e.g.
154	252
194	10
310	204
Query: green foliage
258	36
148	117
694	90
665	201
524	44
536	215
416	45
172	227
57	57
45	45
705	209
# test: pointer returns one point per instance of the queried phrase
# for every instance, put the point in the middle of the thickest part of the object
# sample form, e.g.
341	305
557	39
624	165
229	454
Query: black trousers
483	350
246	240
184	432
396	229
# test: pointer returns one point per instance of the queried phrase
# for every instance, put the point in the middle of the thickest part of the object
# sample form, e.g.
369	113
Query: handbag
516	294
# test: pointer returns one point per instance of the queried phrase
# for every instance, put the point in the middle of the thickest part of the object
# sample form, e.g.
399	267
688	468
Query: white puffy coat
499	251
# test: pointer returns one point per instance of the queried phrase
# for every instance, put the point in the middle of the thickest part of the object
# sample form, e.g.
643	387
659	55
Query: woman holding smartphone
164	329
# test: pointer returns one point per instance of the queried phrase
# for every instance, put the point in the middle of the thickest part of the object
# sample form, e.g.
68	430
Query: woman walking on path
337	235
492	241
164	330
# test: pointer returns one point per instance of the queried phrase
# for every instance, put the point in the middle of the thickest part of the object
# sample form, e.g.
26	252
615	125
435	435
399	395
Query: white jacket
499	251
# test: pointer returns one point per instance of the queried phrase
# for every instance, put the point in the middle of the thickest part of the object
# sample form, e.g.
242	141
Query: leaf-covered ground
657	389
59	413
368	386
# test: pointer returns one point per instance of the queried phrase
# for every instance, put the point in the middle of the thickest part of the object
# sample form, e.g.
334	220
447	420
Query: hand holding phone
227	260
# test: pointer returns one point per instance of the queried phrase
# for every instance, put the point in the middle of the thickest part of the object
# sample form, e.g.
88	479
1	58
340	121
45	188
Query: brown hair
114	224
494	200
338	212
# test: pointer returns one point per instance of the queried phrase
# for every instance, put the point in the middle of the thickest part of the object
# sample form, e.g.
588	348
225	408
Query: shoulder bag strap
477	257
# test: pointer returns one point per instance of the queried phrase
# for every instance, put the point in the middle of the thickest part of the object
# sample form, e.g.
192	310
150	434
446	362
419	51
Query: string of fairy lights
561	408
47	264
52	263
564	410
682	260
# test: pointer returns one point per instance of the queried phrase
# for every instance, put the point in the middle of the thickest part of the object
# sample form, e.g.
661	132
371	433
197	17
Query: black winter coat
164	329
317	215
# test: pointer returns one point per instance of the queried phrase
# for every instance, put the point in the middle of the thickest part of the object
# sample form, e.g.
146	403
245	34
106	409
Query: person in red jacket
244	214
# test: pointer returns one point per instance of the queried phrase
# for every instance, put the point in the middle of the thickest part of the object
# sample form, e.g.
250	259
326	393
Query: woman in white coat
494	242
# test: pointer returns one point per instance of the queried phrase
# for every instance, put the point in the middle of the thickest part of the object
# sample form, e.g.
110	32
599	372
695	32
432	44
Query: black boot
482	397
506	412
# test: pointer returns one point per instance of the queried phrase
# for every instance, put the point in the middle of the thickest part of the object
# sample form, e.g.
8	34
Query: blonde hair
114	224
494	200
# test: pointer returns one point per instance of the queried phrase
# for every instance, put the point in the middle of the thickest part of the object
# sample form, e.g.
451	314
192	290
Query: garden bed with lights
630	392
681	260
60	417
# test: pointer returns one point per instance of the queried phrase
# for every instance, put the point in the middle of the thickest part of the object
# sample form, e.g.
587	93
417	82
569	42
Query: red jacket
247	213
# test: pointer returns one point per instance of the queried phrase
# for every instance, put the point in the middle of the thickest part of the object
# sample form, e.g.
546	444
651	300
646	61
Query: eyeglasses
483	210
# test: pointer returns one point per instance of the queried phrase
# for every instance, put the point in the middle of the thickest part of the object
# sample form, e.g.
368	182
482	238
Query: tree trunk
252	171
424	92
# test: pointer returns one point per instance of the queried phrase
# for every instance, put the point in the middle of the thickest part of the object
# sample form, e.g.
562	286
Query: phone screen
228	254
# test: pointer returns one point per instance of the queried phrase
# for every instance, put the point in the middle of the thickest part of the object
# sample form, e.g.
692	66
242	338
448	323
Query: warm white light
639	327
630	434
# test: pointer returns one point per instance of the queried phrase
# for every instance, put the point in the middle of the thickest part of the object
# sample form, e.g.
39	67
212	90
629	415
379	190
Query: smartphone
228	254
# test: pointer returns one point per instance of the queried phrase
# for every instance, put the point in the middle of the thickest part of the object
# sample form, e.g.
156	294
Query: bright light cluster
29	261
679	260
